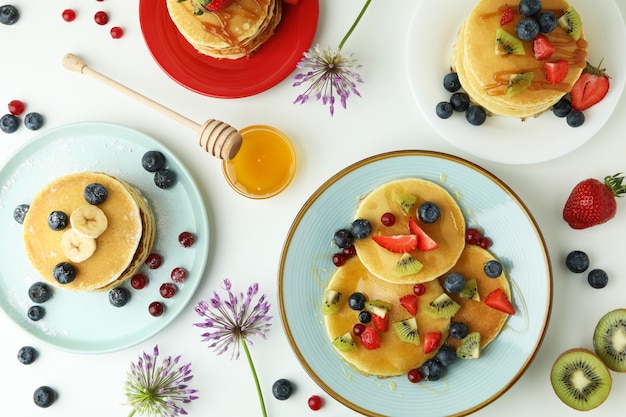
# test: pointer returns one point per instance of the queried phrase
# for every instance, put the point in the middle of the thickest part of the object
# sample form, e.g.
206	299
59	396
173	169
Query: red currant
414	375
167	290
485	243
388	219
472	236
179	274
186	239
315	402
154	261
68	15
156	308
116	32
339	259
419	289
349	251
16	107
138	281
101	18
358	329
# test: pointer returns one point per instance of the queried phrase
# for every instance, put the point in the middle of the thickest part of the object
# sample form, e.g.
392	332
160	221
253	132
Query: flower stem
356	22
256	378
132	413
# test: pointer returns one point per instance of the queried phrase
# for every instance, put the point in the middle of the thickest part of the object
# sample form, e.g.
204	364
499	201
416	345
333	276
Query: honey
265	164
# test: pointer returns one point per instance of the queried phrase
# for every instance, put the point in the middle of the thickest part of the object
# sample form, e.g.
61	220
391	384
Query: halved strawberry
431	341
380	323
215	5
397	243
424	242
507	16
556	71
409	302
590	88
542	47
497	299
370	338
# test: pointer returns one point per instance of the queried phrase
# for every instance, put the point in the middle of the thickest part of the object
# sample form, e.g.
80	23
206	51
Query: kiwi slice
442	307
406	201
470	291
344	343
571	22
470	347
519	82
407	330
580	379
332	302
406	265
378	307
609	339
507	44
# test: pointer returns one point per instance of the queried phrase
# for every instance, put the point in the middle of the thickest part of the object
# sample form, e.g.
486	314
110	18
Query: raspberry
154	261
186	239
167	290
178	274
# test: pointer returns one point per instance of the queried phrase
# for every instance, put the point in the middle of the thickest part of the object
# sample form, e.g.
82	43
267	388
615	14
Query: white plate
508	140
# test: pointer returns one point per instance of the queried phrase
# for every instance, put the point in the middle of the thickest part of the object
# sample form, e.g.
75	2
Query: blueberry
444	109
361	228
39	292
33	121
577	261
457	329
95	193
547	21
36	313
446	355
475	115
493	268
9	14
365	317
57	220
164	178
451	82
9	123
562	107
44	396
527	29
428	212
118	297
454	282
152	161
575	118
597	278
64	273
459	101
282	389
26	355
343	238
19	213
529	7
356	301
432	370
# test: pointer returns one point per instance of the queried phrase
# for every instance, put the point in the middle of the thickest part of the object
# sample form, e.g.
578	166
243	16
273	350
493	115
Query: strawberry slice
497	299
424	242
590	88
556	71
370	338
409	302
397	243
542	48
380	323
507	16
215	5
431	341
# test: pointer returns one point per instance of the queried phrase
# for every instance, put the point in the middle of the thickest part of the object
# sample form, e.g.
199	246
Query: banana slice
88	221
77	247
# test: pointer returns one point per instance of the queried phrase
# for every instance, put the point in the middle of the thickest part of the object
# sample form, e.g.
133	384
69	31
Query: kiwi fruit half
519	82
580	379
442	307
470	291
332	301
406	265
344	343
572	24
609	339
407	330
406	201
507	44
378	307
470	346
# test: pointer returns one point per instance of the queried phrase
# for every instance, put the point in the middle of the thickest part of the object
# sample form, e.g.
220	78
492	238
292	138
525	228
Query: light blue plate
487	203
87	322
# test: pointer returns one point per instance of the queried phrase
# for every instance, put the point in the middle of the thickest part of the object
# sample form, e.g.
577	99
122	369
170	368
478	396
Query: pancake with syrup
120	249
232	33
485	74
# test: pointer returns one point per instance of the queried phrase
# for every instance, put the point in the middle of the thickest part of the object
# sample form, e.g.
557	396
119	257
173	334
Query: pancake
394	357
484	74
120	250
477	316
448	231
232	33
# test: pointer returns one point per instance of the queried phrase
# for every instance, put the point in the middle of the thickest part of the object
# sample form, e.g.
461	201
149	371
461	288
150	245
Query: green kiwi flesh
344	343
332	302
580	379
406	265
571	22
507	44
442	307
519	82
470	291
407	330
609	339
378	307
406	202
470	347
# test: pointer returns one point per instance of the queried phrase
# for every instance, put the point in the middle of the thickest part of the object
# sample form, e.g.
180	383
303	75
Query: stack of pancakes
120	250
232	33
484	74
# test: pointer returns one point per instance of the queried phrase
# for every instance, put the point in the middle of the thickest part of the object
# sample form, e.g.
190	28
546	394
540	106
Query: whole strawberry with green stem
592	202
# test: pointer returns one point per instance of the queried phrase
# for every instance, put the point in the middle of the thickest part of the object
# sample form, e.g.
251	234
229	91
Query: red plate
224	78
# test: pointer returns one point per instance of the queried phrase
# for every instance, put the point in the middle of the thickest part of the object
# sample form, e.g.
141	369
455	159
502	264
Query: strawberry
380	323
397	243
556	71
590	88
370	338
409	302
592	202
542	48
431	341
215	5
507	16
424	242
497	299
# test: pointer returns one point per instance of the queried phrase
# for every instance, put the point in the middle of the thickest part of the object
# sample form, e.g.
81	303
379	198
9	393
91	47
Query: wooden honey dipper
217	138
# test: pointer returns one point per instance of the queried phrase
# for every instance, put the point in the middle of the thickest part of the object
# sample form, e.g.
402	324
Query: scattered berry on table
343	238
592	202
39	292
116	32
493	268
179	274
16	107
414	375
451	82
44	396
444	110
153	161
33	121
459	101
9	14
475	115
315	402
577	261
19	213
186	239
36	313
282	389
154	260
575	118
598	278
138	281
457	329
388	219
9	123
101	18
119	297
64	273
156	308
164	178
27	355
68	15
95	193
167	290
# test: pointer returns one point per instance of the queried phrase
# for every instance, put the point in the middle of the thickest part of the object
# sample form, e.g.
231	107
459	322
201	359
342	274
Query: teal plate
86	322
487	203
